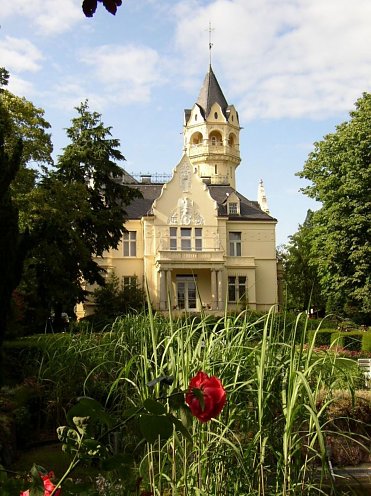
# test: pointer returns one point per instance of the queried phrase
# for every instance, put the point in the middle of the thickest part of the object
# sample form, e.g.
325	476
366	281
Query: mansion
195	241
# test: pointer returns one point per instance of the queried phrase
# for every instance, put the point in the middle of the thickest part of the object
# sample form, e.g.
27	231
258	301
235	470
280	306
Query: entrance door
186	293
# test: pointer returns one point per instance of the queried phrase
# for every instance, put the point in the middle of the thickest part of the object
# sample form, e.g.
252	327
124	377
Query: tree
78	212
339	170
11	242
23	139
115	299
303	290
90	6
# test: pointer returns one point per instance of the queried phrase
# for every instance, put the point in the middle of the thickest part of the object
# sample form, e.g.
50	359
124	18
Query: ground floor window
186	292
129	281
237	288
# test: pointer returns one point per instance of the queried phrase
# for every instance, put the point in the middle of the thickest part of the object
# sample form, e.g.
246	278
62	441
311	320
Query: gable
185	199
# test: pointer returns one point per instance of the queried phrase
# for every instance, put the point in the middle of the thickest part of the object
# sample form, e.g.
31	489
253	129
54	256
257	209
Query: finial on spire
262	198
210	42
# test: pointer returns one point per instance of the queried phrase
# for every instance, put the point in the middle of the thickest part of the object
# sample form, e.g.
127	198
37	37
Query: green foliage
146	361
76	213
366	341
339	172
114	299
301	279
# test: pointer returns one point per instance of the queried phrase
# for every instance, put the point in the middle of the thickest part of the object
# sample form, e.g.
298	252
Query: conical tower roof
211	93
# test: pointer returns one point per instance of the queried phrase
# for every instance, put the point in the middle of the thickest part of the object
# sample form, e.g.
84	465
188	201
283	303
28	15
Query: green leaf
200	396
176	399
153	406
163	379
89	407
180	427
154	426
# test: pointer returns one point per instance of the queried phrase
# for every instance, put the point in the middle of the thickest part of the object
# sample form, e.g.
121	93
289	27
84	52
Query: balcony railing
209	249
191	256
206	149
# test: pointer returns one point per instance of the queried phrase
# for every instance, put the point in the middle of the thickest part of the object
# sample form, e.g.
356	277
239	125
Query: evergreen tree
78	212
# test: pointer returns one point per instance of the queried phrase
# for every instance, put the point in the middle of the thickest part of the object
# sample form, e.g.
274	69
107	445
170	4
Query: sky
292	68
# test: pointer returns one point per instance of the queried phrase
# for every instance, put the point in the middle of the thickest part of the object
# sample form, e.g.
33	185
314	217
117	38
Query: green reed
270	438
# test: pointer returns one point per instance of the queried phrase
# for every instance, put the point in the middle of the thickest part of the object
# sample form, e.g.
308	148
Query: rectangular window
234	244
173	238
130	244
198	239
232	208
237	288
185	238
129	281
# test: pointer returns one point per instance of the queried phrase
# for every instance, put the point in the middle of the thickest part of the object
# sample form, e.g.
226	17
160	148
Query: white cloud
19	55
49	16
127	73
19	86
290	58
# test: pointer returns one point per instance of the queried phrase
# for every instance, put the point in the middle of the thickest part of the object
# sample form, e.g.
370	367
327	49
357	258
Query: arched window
231	140
215	138
197	139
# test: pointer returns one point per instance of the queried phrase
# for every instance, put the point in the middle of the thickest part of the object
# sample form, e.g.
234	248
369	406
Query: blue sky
292	68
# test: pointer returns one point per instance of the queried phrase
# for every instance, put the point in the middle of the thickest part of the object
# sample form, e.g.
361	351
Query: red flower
48	485
205	397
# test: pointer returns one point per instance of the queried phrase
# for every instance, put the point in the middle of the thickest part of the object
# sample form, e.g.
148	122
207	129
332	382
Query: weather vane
210	42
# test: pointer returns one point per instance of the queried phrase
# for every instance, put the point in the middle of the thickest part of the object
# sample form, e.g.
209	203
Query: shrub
353	341
366	341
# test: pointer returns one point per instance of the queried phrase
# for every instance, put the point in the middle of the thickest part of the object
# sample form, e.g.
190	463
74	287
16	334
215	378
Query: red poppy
205	397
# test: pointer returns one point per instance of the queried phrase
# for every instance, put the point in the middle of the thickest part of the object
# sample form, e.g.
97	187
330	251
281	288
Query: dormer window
233	208
216	115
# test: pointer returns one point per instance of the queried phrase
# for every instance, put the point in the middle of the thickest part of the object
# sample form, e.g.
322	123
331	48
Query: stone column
213	289
219	278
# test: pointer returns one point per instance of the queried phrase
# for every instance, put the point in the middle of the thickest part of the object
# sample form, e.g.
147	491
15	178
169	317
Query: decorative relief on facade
186	213
185	177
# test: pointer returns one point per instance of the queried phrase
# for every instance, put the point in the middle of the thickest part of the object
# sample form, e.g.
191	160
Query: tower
211	134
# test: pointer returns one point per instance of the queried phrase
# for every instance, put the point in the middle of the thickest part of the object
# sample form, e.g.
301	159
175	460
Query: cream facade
195	241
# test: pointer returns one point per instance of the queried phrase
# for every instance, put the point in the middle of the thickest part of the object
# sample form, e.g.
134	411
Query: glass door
187	294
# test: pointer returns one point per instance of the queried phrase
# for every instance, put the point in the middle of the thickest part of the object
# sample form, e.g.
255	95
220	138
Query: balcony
209	252
210	149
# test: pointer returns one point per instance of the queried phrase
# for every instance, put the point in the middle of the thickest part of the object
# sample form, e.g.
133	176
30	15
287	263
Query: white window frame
237	284
129	243
235	243
129	281
185	239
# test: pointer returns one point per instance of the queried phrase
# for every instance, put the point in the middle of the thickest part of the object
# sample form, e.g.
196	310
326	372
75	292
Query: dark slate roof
249	210
211	93
140	207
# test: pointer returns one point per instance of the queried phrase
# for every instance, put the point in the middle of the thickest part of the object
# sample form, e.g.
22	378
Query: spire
262	199
211	93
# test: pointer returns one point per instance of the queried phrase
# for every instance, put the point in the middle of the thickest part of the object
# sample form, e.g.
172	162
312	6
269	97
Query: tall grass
269	440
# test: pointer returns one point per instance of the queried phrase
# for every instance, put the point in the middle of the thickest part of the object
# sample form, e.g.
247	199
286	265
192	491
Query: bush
323	337
366	341
353	341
